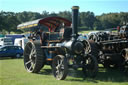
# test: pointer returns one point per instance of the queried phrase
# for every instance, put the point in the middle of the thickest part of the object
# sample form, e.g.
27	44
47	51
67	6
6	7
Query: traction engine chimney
75	11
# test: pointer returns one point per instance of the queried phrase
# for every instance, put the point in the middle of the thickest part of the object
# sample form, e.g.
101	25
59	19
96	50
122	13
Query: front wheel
60	67
90	66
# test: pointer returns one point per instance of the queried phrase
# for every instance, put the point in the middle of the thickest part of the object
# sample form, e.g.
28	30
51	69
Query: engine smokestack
75	11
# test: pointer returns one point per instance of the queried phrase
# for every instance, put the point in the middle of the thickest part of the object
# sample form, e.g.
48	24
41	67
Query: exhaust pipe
75	11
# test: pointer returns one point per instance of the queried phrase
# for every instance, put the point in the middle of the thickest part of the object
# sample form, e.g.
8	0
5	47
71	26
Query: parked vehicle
11	51
15	36
1	35
6	41
20	42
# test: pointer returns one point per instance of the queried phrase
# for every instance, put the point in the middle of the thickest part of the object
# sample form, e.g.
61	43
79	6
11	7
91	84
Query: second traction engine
112	48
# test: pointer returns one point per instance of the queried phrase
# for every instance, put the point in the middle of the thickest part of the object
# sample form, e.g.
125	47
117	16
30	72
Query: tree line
87	20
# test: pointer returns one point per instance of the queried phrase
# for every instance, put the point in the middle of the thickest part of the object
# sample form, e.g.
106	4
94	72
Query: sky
97	6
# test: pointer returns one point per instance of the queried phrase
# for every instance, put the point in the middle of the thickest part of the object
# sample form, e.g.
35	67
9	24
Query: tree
44	14
87	19
97	25
65	14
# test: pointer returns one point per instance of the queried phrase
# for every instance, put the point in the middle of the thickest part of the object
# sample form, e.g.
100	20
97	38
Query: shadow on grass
9	58
111	74
46	71
105	75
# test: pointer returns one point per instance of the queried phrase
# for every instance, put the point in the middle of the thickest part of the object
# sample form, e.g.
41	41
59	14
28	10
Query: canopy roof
51	22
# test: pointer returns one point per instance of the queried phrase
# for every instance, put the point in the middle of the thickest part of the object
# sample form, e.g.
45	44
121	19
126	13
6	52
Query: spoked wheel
93	37
60	67
90	66
34	58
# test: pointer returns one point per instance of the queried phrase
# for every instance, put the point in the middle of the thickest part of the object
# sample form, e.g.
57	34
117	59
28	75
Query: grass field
12	72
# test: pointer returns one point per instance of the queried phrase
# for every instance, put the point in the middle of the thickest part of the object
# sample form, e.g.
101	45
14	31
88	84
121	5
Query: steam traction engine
61	47
112	48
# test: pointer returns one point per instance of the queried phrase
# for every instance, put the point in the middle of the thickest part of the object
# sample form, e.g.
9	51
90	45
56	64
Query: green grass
12	72
84	32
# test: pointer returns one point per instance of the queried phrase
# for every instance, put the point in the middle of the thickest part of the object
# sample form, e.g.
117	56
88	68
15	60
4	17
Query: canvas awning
51	22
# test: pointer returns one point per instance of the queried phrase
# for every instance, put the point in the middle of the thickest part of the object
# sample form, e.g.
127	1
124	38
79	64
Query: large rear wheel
34	58
60	67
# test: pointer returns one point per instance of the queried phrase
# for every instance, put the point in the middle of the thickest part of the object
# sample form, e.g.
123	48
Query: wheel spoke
57	72
33	52
28	62
58	62
33	49
30	68
61	62
62	67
